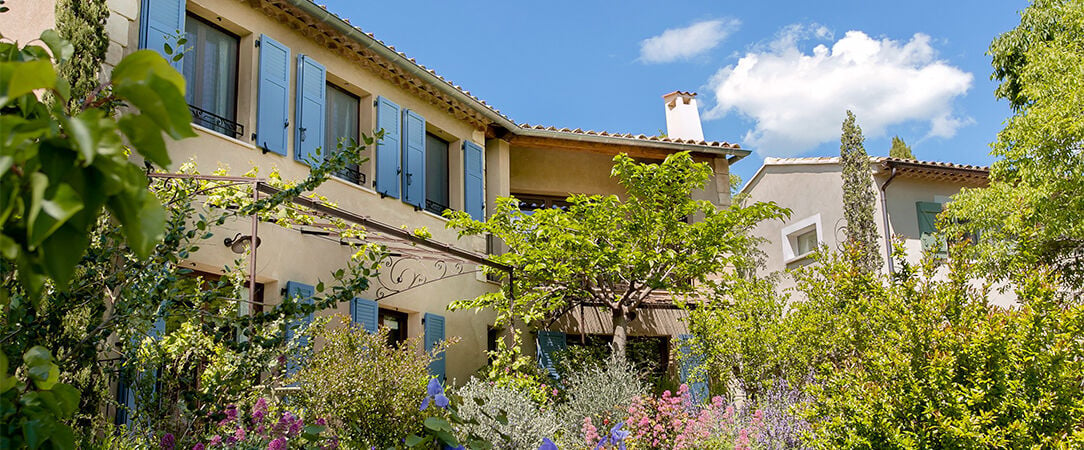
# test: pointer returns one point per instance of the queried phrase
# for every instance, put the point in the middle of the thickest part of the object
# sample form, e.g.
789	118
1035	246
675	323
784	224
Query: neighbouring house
909	196
269	82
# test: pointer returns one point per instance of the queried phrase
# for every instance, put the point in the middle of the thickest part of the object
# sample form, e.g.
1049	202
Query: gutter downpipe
884	216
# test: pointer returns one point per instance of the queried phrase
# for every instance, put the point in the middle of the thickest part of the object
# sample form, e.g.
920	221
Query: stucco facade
812	188
515	158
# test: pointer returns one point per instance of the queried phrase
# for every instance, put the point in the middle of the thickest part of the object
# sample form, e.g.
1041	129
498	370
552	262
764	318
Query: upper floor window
210	71
436	174
530	203
342	124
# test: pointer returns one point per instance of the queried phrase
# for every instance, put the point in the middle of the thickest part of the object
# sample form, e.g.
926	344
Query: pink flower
216	440
277	444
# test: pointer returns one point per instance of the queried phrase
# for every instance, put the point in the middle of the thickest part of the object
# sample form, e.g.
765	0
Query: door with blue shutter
434	333
474	202
311	98
413	158
550	345
365	313
272	102
691	370
303	294
387	149
159	22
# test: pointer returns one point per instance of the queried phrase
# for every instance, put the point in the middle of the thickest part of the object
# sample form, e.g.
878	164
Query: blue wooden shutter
302	292
691	370
311	87
413	158
365	313
159	21
387	149
550	343
434	333
927	227
473	181
272	103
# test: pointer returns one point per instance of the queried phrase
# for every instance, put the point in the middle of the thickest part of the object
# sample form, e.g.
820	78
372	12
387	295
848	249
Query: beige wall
811	189
547	171
26	19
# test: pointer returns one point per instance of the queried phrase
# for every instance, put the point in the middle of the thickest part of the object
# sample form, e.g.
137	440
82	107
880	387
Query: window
342	125
396	323
210	70
807	242
529	202
801	238
927	228
436	174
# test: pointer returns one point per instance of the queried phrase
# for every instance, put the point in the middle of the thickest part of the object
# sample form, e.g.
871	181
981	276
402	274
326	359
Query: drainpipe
884	216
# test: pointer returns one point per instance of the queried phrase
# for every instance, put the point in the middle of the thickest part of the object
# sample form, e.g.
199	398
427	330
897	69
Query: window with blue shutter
159	22
303	294
387	149
474	202
272	102
550	345
691	370
927	228
434	333
365	313
413	159
311	96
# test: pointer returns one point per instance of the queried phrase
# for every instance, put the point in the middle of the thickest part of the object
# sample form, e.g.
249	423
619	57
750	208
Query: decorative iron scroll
405	273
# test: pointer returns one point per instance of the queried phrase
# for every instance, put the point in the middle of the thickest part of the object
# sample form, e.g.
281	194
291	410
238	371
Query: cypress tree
858	197
82	22
900	149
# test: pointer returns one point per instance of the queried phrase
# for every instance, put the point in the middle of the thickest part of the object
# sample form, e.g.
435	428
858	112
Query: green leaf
40	367
21	78
60	206
146	138
437	424
67	397
62	251
149	83
6	381
413	440
36	431
142	218
85	130
447	438
61	48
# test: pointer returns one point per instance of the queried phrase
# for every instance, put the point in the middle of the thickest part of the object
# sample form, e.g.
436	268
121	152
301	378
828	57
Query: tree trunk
621	332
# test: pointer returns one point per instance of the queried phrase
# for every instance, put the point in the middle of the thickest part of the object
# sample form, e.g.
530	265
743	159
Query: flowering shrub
523	422
368	392
259	429
600	393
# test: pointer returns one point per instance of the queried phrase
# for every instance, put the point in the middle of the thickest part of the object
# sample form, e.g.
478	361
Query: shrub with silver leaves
486	402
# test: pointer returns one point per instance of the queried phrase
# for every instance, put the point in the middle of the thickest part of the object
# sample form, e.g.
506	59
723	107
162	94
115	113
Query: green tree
614	252
1031	212
82	23
59	169
900	149
858	196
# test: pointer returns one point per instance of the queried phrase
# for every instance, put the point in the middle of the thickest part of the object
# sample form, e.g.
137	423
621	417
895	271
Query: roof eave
733	154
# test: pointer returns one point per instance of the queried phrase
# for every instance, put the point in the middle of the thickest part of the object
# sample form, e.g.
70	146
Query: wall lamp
238	243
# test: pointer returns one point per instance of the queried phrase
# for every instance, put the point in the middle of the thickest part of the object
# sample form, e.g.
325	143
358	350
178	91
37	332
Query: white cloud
798	100
684	43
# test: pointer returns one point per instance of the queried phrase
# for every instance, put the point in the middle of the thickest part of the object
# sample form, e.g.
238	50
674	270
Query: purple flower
197	447
168	441
434	392
216	440
547	444
321	422
239	434
616	437
277	444
259	410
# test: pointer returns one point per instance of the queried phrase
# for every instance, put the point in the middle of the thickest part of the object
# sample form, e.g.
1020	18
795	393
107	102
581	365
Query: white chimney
682	117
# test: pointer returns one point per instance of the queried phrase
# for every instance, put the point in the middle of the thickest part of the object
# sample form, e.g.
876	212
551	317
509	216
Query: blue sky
775	77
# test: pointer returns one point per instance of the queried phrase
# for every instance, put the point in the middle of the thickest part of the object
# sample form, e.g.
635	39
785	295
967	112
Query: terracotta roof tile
640	137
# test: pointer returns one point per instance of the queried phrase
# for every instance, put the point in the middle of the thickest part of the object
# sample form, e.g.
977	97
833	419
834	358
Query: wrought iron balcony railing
434	207
216	122
351	174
